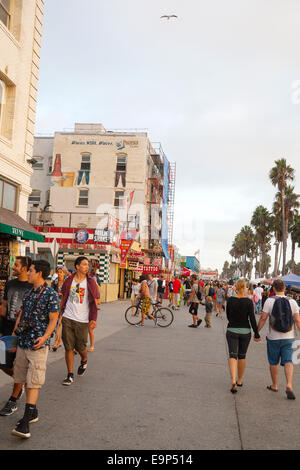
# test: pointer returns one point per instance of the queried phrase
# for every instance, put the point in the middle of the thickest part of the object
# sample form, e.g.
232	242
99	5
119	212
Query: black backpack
281	316
199	293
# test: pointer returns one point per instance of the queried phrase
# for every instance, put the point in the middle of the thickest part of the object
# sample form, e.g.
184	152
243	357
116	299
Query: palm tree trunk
276	259
283	232
293	256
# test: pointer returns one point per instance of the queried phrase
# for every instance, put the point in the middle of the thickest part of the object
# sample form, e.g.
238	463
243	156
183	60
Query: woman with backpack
240	315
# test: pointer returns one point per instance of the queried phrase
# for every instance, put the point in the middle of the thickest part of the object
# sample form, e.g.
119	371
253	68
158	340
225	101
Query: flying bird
169	16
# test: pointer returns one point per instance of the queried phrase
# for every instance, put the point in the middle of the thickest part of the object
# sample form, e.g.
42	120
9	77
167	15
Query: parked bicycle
165	317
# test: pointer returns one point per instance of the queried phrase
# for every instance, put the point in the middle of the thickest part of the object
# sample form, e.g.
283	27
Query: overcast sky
214	86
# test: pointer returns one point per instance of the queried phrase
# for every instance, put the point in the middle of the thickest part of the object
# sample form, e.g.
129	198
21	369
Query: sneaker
33	417
192	326
69	380
140	324
9	408
22	429
199	322
82	369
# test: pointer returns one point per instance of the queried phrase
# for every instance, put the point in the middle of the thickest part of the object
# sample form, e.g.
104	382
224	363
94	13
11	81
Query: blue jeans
258	307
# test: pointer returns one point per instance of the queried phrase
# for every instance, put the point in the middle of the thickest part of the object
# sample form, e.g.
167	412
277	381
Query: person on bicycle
146	301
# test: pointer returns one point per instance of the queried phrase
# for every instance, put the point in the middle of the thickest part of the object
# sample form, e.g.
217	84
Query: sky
219	87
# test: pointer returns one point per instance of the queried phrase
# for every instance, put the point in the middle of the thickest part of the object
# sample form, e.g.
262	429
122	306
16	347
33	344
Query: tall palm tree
277	229
295	235
262	222
279	175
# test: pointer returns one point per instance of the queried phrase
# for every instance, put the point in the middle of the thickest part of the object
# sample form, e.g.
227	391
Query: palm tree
262	222
295	235
279	175
277	229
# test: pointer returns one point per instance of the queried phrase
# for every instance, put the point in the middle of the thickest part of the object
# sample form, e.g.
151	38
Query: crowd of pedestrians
32	311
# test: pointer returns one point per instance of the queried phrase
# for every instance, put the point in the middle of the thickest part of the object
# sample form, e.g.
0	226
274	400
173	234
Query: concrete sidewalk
159	388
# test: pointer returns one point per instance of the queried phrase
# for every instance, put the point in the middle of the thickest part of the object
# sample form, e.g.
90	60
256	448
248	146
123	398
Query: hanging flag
127	201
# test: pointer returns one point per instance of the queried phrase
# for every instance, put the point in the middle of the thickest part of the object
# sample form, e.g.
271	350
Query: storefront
14	231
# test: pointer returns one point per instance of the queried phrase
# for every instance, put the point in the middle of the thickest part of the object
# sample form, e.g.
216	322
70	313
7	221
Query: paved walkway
156	388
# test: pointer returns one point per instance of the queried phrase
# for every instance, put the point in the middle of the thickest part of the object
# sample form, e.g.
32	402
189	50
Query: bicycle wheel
133	315
164	317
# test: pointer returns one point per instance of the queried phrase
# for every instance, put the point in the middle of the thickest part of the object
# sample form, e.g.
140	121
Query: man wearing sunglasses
80	299
12	302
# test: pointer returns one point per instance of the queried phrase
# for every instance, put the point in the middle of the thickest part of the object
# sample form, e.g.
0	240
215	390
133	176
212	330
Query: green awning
13	224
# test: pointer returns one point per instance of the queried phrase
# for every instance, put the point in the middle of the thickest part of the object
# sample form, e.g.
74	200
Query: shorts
280	349
176	298
237	344
30	367
74	335
146	305
194	308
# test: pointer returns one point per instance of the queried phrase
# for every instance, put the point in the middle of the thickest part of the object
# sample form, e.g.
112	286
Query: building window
8	196
85	162
83	197
38	165
119	198
5	12
121	163
35	198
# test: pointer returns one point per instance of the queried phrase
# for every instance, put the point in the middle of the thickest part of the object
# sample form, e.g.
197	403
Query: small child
208	308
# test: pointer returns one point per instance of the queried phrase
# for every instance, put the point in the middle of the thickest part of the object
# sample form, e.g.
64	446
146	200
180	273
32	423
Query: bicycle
165	317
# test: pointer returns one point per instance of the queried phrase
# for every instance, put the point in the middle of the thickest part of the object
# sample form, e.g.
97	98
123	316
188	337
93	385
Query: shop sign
103	236
128	234
137	254
157	262
91	142
115	258
124	247
133	265
81	236
82	246
149	269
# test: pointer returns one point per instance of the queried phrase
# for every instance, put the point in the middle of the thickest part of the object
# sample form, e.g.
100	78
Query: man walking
282	313
34	326
161	289
194	301
80	299
258	292
12	302
153	286
176	291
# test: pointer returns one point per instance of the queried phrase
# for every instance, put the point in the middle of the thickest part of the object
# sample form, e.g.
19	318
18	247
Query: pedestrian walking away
80	299
96	278
176	291
161	289
12	302
35	324
194	303
240	314
153	286
282	313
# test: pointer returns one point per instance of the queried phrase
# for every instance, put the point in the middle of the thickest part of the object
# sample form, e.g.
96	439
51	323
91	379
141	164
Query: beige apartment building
96	176
20	45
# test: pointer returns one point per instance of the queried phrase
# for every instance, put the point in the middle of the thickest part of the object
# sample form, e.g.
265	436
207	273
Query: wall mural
68	177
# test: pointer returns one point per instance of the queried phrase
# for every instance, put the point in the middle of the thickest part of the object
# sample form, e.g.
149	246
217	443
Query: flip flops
269	387
290	395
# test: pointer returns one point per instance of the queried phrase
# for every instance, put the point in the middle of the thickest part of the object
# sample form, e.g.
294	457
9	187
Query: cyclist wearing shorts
146	301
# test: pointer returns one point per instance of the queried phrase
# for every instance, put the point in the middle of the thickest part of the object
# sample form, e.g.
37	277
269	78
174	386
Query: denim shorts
280	349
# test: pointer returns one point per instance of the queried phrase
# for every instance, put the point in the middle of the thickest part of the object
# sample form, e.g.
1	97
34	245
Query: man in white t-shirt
280	345
258	292
80	299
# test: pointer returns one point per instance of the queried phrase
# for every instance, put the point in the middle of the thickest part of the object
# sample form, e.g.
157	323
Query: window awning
13	224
